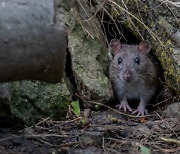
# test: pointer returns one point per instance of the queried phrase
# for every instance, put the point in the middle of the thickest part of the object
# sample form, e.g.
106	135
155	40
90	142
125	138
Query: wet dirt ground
103	132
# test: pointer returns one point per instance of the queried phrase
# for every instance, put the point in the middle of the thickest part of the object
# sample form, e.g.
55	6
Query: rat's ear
144	47
114	46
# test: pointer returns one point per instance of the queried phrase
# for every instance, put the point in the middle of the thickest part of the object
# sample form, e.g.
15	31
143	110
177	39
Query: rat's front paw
125	106
140	112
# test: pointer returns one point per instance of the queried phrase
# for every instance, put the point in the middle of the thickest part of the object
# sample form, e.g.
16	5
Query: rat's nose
127	75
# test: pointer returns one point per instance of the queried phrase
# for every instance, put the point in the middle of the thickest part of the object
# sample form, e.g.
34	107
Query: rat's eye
119	61
137	60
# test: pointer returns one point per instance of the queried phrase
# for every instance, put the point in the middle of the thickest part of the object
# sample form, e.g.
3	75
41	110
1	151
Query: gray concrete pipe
32	40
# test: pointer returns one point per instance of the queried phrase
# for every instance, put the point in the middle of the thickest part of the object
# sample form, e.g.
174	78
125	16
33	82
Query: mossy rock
33	100
88	53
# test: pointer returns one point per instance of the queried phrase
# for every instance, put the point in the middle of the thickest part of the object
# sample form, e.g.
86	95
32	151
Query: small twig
106	11
65	122
133	16
68	144
173	15
74	143
132	23
45	142
169	140
44	120
2	149
34	136
176	4
132	116
93	16
171	150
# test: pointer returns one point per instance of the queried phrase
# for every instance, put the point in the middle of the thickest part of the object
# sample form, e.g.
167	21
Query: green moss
32	101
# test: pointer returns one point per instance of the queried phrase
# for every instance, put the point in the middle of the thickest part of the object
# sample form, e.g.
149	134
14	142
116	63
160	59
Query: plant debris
104	132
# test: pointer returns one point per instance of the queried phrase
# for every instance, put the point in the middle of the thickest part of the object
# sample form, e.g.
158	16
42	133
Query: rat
132	74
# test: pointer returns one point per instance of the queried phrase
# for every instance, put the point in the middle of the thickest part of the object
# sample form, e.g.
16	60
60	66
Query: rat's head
129	61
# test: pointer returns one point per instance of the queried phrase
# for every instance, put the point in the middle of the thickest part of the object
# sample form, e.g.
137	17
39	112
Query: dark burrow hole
116	30
70	75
